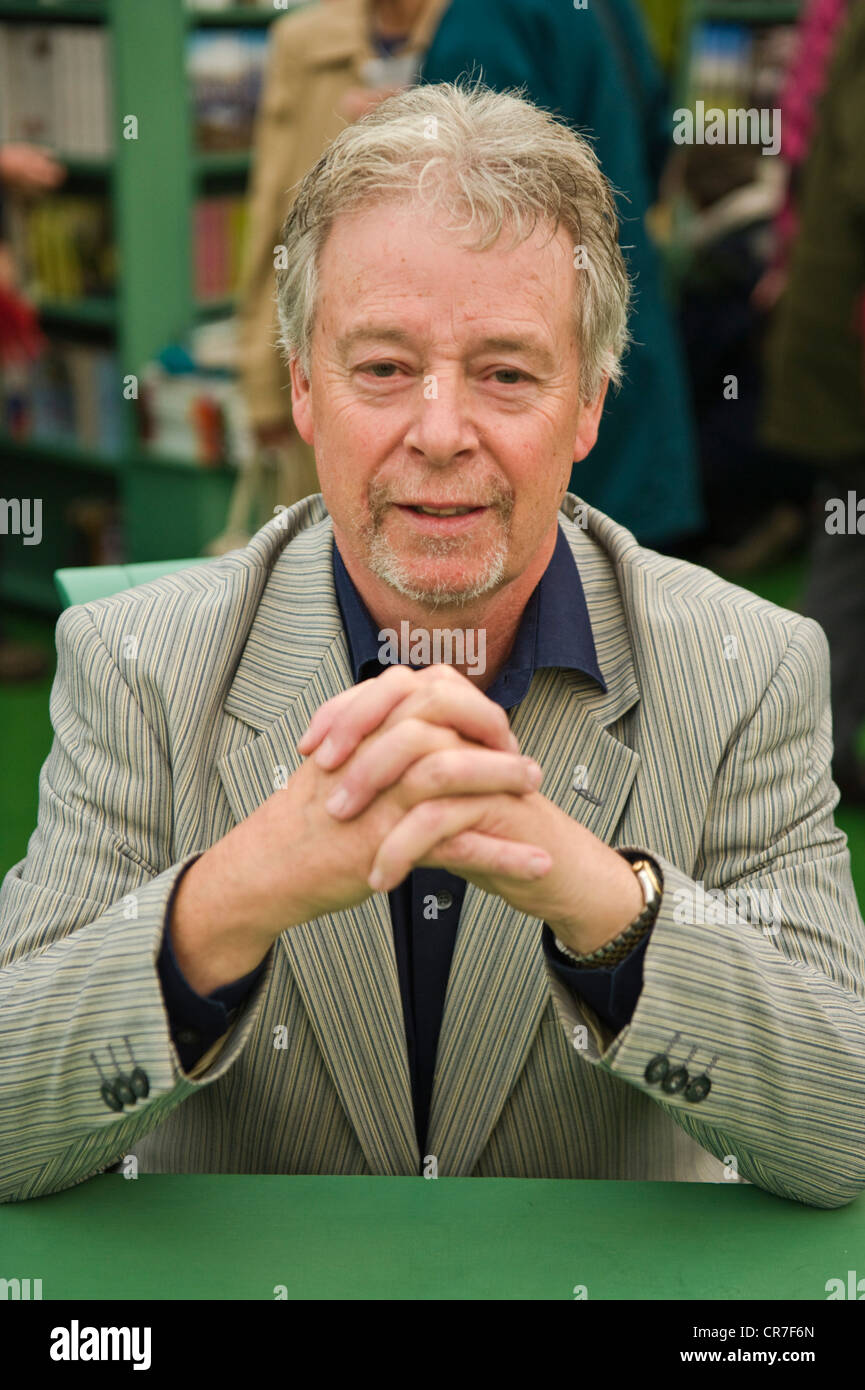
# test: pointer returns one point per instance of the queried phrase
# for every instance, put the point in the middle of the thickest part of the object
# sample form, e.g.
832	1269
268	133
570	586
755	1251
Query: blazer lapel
498	989
295	658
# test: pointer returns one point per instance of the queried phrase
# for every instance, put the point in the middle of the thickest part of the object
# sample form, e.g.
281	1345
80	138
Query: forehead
399	258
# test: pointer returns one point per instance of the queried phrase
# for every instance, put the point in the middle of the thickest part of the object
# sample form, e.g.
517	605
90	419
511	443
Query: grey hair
494	158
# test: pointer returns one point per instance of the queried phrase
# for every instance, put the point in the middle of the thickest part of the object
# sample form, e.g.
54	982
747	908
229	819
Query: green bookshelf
217	164
99	312
63	11
235	14
170	507
60	454
80	167
29	590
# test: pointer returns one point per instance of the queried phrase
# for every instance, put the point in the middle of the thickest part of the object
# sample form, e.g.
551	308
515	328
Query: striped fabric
176	709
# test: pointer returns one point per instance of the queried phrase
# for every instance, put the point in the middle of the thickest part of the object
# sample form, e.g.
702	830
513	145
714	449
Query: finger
459	706
419	831
452	703
406	755
371	702
472	853
325	715
322	720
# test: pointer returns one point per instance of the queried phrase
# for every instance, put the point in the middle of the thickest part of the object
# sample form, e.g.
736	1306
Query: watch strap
615	951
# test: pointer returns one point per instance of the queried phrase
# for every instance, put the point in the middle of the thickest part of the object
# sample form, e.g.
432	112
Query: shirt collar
555	629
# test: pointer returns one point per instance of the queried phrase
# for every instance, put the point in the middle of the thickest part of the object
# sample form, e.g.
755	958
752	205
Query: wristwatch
652	884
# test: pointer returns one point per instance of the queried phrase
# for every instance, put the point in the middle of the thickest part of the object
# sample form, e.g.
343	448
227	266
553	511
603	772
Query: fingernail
534	772
337	802
539	863
326	753
375	880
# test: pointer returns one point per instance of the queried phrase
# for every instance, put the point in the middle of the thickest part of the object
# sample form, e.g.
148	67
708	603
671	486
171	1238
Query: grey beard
392	570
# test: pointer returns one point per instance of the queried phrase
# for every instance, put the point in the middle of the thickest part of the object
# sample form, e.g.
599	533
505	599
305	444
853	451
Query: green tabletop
202	1236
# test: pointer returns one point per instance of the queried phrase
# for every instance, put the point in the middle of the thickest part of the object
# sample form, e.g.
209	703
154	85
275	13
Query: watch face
648	868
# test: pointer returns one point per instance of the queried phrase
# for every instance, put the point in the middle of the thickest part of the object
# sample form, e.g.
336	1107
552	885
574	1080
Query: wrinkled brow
496	343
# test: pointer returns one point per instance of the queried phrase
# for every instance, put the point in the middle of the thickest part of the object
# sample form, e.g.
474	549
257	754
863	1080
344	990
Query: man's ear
301	401
589	422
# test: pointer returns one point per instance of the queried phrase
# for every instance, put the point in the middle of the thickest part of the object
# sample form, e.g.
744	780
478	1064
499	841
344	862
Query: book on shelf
63	245
71	393
219	227
191	408
226	71
55	89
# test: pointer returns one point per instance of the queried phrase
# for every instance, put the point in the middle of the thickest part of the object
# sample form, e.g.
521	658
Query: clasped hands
432	765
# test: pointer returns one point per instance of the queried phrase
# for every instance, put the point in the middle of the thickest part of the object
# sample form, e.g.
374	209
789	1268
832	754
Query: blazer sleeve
81	923
263	375
770	1004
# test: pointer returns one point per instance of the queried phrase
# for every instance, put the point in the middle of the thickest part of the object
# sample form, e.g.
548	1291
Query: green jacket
815	401
595	69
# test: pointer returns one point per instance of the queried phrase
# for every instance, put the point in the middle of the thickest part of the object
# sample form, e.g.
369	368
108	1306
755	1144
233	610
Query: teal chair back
99	581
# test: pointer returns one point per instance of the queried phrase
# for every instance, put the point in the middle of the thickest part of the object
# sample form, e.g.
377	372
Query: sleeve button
657	1068
110	1096
699	1088
675	1081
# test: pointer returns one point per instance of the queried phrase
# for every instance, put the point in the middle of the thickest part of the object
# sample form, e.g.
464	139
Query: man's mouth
441	511
434	520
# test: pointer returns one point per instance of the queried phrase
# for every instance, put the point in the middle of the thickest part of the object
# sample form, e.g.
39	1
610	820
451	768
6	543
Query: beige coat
317	54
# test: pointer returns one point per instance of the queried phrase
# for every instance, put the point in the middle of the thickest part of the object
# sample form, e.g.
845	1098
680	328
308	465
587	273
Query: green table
204	1236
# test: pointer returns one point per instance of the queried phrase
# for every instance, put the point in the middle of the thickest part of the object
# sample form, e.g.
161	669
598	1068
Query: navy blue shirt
425	908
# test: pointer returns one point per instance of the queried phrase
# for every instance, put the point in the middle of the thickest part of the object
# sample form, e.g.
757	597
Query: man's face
442	377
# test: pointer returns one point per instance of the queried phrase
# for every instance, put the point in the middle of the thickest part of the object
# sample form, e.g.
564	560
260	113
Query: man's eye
382	370
513	372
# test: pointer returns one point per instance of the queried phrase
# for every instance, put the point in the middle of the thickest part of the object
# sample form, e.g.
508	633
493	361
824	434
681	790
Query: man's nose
442	426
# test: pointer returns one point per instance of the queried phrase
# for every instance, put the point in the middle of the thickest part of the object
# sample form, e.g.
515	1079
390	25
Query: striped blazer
176	711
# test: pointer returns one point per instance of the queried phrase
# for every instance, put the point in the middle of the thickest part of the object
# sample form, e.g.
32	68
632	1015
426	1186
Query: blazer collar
296	657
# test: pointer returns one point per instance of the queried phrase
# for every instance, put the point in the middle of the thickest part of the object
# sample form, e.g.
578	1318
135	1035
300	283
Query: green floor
26	737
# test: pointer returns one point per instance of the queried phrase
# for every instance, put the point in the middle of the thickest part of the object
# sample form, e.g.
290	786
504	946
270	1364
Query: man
280	917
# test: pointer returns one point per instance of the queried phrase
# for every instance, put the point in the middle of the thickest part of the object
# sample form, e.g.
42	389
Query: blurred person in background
595	68
328	65
743	232
26	171
740	228
756	499
815	404
818	30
